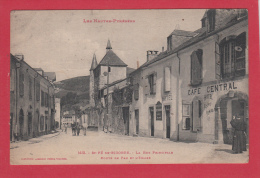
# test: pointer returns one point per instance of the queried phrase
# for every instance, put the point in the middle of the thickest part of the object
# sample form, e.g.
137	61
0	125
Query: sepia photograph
154	86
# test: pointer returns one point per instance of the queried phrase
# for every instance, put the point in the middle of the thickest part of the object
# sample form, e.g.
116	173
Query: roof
51	75
227	22
112	59
37	69
94	62
129	70
183	33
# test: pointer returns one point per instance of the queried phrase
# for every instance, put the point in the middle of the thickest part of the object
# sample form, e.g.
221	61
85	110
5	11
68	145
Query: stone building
57	113
191	91
32	106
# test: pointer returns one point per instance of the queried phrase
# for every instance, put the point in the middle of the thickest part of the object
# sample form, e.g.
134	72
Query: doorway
152	120
21	121
126	119
168	121
137	121
29	123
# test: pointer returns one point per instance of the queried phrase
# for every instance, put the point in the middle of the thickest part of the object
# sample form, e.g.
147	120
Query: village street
106	148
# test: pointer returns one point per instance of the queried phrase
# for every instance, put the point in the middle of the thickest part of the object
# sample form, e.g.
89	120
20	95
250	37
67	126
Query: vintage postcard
129	86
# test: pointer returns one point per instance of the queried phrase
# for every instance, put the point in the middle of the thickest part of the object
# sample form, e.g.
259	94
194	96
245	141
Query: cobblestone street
105	148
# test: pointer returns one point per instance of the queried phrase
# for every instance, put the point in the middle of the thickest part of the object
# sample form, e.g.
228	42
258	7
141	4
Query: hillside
74	92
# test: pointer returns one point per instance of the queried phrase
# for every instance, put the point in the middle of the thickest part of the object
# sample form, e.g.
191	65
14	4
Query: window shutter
196	67
217	62
136	91
30	88
167	79
196	115
146	86
12	80
154	83
21	84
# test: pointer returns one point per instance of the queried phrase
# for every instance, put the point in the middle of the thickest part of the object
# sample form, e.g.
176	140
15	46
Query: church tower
92	80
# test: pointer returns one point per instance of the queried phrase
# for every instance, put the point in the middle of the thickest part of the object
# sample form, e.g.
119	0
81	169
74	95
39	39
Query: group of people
239	137
75	127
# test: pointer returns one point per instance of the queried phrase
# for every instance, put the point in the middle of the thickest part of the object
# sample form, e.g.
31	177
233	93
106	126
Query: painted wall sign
213	88
158	110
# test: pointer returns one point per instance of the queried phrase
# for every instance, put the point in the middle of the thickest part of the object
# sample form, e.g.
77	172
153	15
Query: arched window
196	67
232	55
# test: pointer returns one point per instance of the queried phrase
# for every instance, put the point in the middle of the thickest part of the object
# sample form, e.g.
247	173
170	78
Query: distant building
32	106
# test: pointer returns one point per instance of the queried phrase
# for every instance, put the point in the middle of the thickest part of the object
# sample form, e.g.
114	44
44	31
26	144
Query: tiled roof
51	75
112	59
183	33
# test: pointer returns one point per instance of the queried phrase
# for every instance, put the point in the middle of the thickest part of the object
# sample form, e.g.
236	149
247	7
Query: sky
59	41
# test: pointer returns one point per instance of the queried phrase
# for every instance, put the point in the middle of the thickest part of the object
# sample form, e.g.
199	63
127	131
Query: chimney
19	56
151	55
137	63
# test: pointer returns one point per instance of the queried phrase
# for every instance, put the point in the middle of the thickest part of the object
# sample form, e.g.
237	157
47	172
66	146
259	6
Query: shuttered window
196	115
38	90
167	79
152	83
12	80
30	88
196	67
211	20
21	84
232	54
186	115
136	91
42	98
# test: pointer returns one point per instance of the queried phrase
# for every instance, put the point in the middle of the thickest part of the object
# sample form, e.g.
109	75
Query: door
168	121
126	119
29	123
21	120
137	121
152	120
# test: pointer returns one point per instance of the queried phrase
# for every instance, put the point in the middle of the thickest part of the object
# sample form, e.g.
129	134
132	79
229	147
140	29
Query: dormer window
203	22
211	20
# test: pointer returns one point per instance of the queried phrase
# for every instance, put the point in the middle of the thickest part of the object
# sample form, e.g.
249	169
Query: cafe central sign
213	88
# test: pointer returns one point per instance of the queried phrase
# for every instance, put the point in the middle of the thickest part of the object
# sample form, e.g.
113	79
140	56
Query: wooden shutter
167	79
146	86
196	115
136	91
196	67
21	84
217	62
12	80
154	83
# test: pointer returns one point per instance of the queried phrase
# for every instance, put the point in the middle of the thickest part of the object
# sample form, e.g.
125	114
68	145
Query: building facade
32	106
57	113
191	91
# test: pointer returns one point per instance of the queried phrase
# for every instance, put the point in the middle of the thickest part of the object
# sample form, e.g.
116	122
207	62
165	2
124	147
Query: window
167	79
42	98
169	42
46	100
196	67
232	54
152	83
186	117
191	116
21	84
203	22
211	20
38	91
109	69
136	91
30	88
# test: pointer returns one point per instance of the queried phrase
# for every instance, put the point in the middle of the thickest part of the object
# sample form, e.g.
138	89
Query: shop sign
213	88
158	110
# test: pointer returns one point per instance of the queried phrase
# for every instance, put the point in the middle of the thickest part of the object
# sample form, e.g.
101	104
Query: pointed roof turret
108	45
94	62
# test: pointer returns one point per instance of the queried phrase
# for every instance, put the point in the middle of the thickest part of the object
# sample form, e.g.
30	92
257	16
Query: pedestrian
239	138
78	129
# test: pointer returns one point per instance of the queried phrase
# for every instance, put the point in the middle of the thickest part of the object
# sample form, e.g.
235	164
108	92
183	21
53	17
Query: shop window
42	98
21	84
211	19
167	79
30	88
232	54
196	67
136	91
152	83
